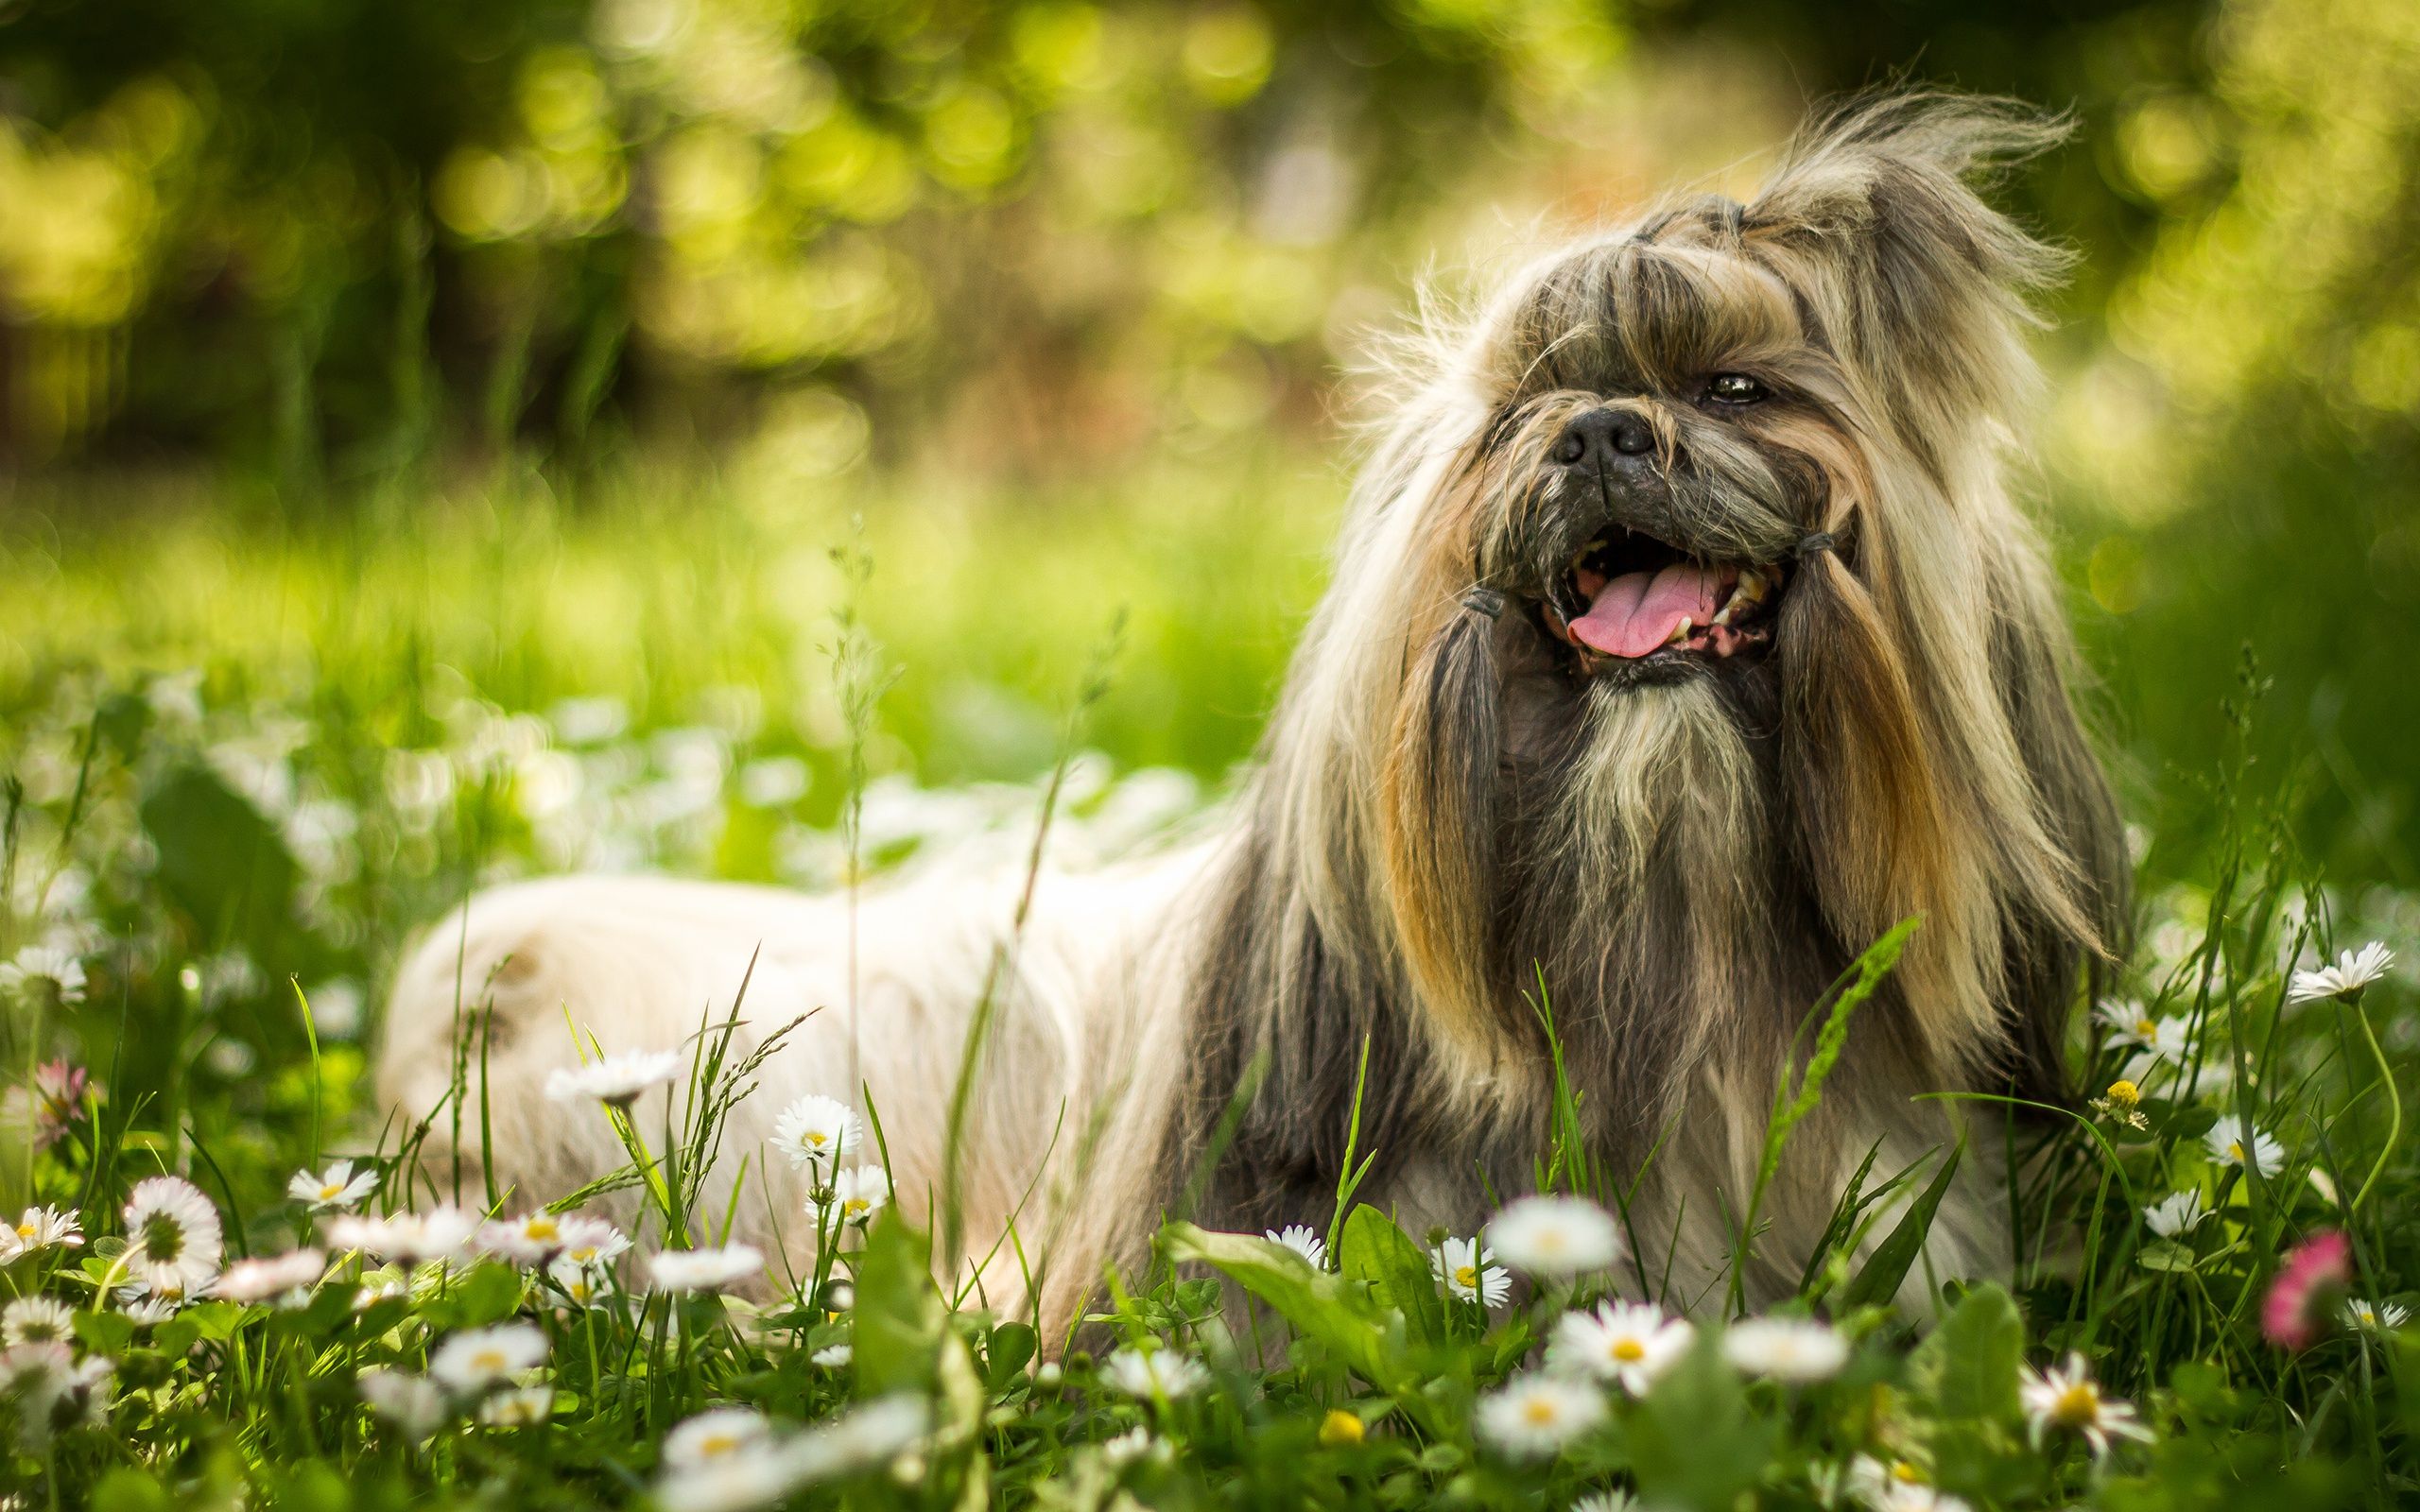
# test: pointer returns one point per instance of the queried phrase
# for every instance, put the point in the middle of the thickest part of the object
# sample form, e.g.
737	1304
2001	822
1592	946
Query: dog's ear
1439	813
1898	265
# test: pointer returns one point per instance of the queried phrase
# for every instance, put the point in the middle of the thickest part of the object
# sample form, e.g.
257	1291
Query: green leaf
219	861
2165	1255
898	1312
176	1338
485	1294
216	1322
127	1489
1005	1355
1692	1441
1878	1281
105	1334
122	720
1373	1249
1967	1367
1334	1310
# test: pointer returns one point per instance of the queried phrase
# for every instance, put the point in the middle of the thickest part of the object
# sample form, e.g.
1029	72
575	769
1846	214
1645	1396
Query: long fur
1447	817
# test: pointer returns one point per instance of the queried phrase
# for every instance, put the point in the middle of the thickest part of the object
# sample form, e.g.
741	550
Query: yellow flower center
2124	1093
715	1445
24	1231
2148	1028
1905	1473
543	1228
1340	1428
815	1137
1630	1352
331	1192
853	1206
1539	1411
2234	1151
488	1358
2077	1404
1466	1277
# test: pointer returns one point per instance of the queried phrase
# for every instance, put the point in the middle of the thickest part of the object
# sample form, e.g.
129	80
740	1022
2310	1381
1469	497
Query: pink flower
2303	1297
54	1100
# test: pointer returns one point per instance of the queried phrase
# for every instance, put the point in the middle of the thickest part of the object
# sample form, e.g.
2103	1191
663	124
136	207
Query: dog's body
1684	640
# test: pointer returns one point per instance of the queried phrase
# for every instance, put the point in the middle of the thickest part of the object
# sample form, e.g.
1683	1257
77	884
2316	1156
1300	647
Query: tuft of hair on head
1923	286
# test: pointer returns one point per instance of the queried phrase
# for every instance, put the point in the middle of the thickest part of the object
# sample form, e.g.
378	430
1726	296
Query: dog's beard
1647	865
1661	774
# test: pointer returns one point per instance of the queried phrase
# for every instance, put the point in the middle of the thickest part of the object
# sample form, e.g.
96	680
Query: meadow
787	442
250	755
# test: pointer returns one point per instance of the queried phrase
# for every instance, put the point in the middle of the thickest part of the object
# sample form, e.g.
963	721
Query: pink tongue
1635	612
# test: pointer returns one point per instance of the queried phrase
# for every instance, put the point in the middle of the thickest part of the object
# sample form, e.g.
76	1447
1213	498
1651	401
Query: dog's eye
1734	388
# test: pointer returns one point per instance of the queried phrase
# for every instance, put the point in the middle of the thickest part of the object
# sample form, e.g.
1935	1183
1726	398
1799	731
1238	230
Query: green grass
381	721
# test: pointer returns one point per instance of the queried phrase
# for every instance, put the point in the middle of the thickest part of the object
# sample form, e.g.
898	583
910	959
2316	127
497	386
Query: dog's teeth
1679	632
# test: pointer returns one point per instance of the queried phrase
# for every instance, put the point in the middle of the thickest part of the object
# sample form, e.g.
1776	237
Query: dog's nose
1602	435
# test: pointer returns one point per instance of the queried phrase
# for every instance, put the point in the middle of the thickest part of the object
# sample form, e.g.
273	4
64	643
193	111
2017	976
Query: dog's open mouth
1630	598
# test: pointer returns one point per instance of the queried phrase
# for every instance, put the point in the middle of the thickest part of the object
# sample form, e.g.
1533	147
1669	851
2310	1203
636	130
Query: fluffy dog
1684	638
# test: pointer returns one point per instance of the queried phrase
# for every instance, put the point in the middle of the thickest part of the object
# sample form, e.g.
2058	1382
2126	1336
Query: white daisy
262	1278
816	1131
173	1241
1160	1373
1793	1350
1469	1273
37	1320
478	1360
704	1270
591	1241
580	1284
39	968
2235	1142
521	1407
2066	1397
2352	971
415	1404
25	1367
145	1309
1554	1236
1136	1444
531	1239
2175	1214
2359	1313
754	1477
1613	1501
616	1080
51	1389
1630	1344
1897	1486
338	1187
2131	1023
1537	1416
715	1434
833	1356
859	1191
40	1229
444	1232
1303	1240
860	1438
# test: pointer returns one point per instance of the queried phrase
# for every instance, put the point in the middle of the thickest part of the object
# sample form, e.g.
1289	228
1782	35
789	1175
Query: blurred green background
369	356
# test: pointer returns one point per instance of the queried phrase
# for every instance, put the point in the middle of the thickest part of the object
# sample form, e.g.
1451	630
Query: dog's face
1686	638
1656	455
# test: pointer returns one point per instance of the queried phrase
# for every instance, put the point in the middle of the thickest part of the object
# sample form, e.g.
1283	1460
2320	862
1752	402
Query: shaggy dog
1683	639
